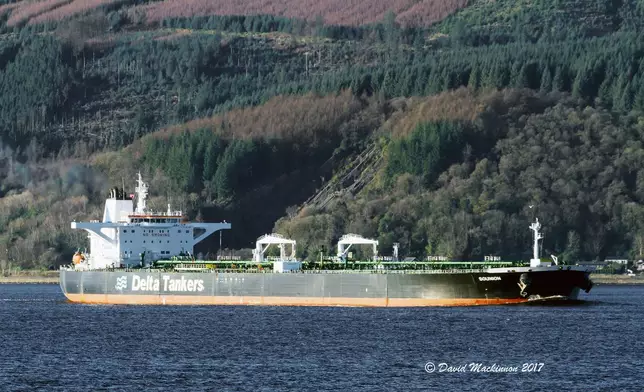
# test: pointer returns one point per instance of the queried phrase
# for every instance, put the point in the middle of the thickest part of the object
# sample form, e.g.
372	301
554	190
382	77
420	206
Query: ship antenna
536	261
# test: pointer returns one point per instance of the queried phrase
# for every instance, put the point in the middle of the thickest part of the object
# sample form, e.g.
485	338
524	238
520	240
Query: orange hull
123	299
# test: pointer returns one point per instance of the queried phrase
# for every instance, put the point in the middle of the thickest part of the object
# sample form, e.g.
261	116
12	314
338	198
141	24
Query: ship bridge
129	236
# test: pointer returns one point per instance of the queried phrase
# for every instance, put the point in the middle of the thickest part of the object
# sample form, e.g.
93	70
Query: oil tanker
142	257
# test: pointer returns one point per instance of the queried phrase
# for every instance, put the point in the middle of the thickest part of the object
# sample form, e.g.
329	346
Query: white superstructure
347	240
130	237
284	263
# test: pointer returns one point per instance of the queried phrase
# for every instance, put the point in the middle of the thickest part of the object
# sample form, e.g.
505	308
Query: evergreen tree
572	253
559	81
546	80
474	81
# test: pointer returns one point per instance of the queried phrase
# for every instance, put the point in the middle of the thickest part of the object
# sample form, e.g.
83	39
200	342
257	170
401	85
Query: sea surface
49	344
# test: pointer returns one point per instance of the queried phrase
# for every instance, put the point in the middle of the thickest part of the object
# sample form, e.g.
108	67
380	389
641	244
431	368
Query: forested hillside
463	187
430	123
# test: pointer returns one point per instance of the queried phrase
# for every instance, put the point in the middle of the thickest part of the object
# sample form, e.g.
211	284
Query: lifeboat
78	258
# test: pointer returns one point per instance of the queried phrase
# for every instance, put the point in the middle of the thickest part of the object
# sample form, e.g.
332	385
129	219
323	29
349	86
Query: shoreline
30	278
52	278
617	279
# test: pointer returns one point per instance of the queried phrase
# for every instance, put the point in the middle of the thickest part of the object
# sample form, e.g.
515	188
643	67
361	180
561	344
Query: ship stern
70	284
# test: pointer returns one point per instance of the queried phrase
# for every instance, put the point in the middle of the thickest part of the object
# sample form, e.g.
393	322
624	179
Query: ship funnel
141	195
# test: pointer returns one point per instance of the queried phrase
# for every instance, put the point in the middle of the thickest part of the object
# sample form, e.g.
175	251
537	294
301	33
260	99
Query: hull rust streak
283	301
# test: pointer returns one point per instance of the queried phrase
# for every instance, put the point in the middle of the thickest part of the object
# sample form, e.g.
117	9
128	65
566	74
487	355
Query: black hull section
323	288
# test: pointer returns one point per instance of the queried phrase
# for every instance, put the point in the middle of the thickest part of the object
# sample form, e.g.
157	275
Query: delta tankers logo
166	283
121	283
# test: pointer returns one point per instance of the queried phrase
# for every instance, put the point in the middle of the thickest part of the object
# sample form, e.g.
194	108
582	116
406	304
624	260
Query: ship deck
205	270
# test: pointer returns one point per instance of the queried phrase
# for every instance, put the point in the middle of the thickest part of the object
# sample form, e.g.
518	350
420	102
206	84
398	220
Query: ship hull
322	288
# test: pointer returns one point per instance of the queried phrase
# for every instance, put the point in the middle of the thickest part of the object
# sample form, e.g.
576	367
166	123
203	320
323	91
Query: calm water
49	344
